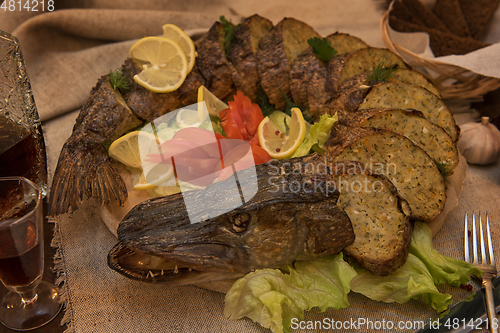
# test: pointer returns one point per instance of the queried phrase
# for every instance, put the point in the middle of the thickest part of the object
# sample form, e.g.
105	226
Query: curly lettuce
318	135
443	269
273	298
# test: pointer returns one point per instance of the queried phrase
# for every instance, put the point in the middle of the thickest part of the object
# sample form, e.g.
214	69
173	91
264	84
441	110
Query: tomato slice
236	113
260	155
244	115
229	125
239	158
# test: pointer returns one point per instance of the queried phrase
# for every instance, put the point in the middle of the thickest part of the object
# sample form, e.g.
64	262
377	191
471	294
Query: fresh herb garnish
444	169
289	104
307	115
381	73
322	48
118	81
263	102
229	35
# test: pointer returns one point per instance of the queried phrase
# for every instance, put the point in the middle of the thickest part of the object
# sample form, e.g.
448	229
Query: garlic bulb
479	142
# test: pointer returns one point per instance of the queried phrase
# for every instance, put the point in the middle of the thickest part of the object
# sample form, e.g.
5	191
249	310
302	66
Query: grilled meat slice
307	64
243	50
146	104
213	65
277	52
341	68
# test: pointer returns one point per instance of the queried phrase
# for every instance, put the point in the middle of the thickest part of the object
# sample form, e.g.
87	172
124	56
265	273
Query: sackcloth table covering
67	50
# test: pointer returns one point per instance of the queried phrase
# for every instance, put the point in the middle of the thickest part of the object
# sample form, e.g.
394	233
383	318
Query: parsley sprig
322	48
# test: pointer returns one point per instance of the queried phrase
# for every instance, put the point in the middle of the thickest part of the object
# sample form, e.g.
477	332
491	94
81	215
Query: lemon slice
186	44
189	118
278	144
214	105
158	175
165	67
125	149
132	150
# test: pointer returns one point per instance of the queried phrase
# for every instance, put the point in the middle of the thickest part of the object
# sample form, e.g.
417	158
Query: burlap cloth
68	49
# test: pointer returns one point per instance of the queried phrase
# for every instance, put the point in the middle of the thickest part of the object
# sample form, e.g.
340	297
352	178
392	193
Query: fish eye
240	221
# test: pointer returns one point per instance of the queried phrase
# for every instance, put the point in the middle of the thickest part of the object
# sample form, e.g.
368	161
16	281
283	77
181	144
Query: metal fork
489	269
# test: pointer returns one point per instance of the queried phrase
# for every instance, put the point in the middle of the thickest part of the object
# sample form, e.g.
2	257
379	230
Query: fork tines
474	241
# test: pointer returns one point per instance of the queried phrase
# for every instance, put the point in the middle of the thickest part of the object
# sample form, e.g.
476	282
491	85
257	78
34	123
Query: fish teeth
176	270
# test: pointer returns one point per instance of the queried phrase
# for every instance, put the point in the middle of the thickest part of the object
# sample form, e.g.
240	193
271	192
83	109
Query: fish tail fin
84	170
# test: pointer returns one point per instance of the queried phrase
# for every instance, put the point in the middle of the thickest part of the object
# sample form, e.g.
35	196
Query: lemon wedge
165	64
158	175
279	144
125	149
213	104
186	44
132	150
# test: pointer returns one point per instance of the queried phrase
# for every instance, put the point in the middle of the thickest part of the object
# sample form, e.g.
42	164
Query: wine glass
31	302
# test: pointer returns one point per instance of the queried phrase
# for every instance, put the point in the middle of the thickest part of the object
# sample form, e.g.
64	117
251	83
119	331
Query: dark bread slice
277	52
415	175
430	137
243	50
379	216
441	43
450	12
402	12
477	14
307	64
401	95
424	15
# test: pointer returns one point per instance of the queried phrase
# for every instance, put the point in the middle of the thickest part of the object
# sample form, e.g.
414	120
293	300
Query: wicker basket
454	82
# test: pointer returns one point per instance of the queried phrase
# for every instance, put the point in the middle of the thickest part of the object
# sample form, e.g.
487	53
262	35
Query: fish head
160	243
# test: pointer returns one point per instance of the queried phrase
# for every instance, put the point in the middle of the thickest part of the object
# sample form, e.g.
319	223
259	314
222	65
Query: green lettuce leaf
411	281
443	269
273	298
318	134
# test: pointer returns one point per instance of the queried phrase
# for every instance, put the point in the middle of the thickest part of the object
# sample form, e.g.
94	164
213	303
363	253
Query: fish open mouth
146	267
